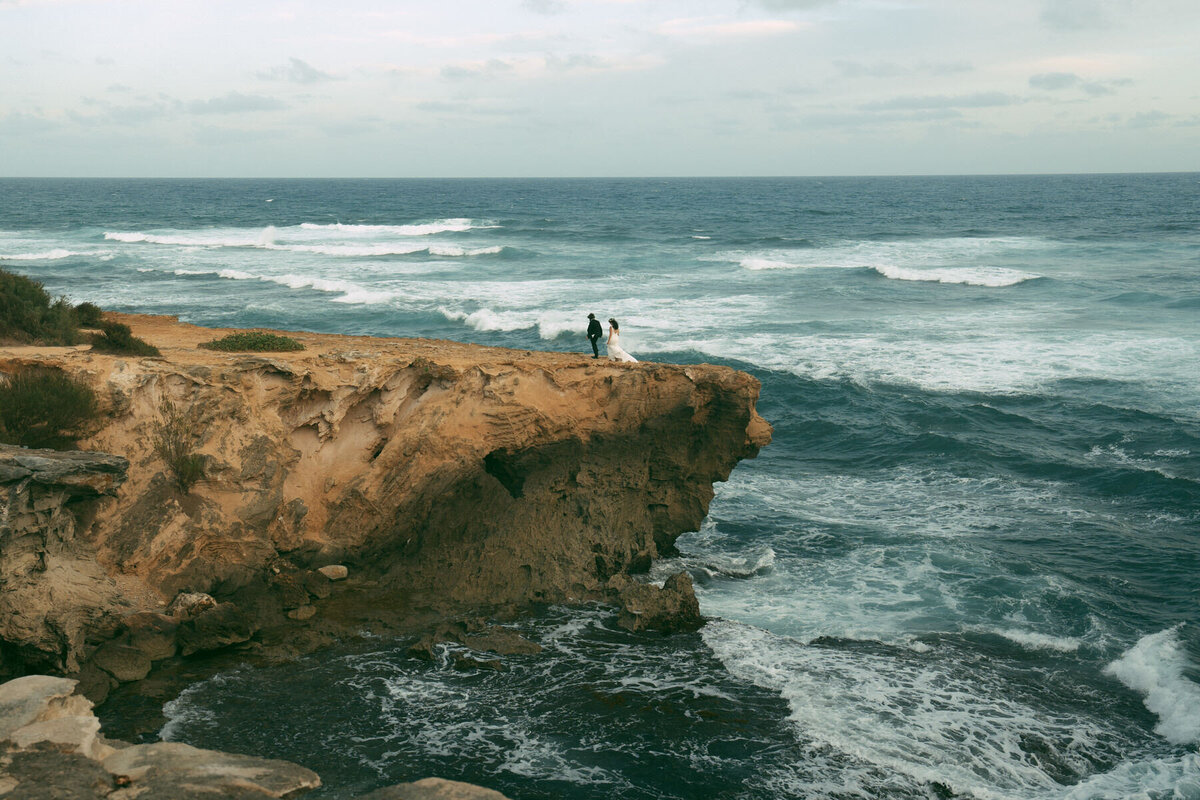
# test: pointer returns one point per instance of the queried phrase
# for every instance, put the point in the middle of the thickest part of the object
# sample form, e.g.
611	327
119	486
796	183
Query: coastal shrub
44	408
253	341
118	338
28	315
175	435
88	315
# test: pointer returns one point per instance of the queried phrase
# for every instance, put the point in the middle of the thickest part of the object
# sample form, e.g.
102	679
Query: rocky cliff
449	477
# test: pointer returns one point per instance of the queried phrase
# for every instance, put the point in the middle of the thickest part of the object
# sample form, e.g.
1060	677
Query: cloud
914	102
1054	81
707	28
297	71
20	124
1058	81
1079	15
888	69
487	69
544	6
236	103
793	5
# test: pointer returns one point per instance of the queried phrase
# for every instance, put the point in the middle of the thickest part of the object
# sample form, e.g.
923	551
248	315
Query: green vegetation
44	408
119	339
174	440
253	341
88	315
28	316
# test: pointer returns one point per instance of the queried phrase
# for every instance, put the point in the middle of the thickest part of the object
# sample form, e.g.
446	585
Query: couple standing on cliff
595	331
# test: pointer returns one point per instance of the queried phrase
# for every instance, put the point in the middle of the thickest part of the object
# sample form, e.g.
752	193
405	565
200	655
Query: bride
615	351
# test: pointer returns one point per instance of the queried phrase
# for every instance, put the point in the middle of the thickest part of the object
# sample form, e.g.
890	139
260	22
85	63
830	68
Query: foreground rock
441	478
51	749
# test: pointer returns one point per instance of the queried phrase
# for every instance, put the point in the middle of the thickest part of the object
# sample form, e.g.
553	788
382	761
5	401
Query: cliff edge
449	477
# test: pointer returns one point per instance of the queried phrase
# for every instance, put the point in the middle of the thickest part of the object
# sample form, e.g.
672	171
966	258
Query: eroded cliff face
453	476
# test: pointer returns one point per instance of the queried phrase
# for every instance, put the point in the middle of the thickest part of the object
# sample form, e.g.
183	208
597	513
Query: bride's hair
613	322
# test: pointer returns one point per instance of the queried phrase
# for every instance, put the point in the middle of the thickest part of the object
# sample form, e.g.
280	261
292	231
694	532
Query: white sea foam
1175	778
1155	667
455	225
48	255
909	715
220	238
971	276
1041	641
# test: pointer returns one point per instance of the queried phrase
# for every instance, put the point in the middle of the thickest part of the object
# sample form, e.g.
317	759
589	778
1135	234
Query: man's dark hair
591	316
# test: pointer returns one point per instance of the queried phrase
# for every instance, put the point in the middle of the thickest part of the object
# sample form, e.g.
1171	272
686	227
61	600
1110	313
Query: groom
595	331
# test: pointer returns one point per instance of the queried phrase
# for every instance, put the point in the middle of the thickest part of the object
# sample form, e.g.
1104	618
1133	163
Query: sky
512	88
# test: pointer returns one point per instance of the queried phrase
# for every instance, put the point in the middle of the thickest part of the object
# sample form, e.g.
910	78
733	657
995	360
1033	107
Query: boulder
37	698
75	734
434	789
176	770
218	627
644	606
48	774
151	633
302	613
123	662
190	604
335	572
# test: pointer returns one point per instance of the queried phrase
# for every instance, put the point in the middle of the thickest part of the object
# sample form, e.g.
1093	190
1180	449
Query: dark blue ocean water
968	566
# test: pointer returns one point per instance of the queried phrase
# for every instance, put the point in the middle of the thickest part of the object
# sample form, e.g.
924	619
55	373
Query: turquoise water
968	566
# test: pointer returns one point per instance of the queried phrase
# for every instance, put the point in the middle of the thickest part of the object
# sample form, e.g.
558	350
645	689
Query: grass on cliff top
44	408
253	342
117	338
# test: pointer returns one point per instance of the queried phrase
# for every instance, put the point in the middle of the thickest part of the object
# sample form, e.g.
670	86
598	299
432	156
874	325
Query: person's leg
595	347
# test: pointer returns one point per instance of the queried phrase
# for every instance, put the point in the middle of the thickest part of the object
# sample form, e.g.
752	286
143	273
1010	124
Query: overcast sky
597	87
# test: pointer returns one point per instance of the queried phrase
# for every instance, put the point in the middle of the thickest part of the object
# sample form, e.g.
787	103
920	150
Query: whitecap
1155	667
971	276
453	225
1041	641
48	255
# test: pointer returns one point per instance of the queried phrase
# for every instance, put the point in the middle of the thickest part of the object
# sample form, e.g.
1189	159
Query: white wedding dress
615	351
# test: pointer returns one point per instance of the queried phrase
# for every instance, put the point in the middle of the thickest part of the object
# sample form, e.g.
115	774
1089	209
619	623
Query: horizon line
585	177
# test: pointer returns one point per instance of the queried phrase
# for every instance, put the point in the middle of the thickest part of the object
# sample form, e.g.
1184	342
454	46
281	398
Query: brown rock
123	662
219	626
302	613
175	770
37	698
152	633
671	609
334	572
434	789
187	605
456	477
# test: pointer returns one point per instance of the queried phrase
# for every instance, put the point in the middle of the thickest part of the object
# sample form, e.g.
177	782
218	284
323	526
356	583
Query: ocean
968	566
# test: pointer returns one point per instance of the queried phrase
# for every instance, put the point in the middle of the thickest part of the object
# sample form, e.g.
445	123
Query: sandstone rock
671	609
335	572
123	662
501	641
302	613
94	683
37	698
457	477
48	774
152	633
317	585
74	734
219	626
434	789
190	604
175	770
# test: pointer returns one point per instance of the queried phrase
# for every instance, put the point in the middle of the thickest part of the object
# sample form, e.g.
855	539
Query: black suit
595	331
